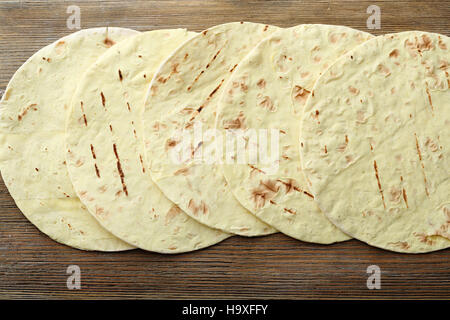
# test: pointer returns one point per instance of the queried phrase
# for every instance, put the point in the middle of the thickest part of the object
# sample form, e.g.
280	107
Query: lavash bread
375	142
183	93
32	161
105	150
268	91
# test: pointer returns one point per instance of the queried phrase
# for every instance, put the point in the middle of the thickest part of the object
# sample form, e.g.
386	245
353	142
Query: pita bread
376	142
32	162
105	149
268	91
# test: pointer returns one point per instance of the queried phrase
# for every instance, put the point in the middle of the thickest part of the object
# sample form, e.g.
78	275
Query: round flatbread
183	96
32	161
105	149
376	142
263	103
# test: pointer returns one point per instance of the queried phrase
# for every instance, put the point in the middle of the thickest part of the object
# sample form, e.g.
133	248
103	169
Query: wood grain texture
33	266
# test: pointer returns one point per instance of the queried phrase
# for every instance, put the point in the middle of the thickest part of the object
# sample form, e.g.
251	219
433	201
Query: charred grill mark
119	169
290	184
429	100
196	148
291	211
266	27
203	71
93	152
256	169
325	149
84	115
96	170
103	99
142	163
207	100
24	112
120	75
405	197
375	167
422	165
128	106
110	128
217	88
234	67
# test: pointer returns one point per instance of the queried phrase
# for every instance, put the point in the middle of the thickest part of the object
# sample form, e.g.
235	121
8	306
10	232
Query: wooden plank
33	266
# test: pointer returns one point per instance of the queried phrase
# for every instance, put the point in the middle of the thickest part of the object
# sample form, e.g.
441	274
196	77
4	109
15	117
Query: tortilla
376	142
268	91
32	115
105	149
184	93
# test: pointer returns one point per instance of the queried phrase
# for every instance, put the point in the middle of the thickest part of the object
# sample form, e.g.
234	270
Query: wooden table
33	266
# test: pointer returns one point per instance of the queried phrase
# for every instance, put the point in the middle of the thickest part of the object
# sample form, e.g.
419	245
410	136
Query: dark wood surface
33	266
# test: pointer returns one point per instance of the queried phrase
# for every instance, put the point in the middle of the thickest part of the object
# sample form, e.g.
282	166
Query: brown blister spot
353	90
267	103
265	28
201	207
301	94
427	239
343	146
79	163
237	123
395	194
384	70
172	214
430	144
264	192
394	53
261	83
102	189
37	170
441	44
170	143
182	171
108	42
175	67
401	244
120	75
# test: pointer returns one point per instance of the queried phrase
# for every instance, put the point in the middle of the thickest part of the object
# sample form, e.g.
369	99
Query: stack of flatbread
172	141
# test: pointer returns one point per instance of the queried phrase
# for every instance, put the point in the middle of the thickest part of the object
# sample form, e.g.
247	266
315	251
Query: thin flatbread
32	159
264	99
184	94
376	142
105	149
